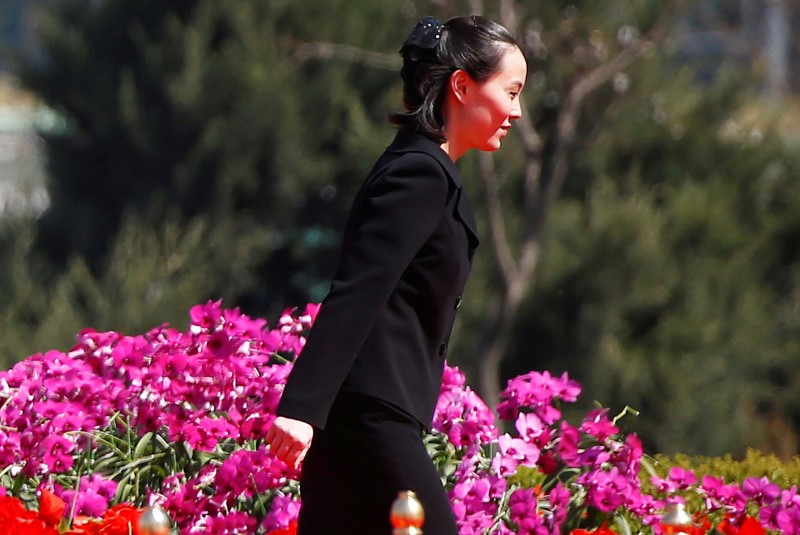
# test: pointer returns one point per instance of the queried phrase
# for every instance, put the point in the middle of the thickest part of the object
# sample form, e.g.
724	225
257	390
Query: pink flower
523	509
606	490
597	424
559	499
205	317
57	454
234	523
92	497
283	510
463	416
309	315
761	491
664	485
530	427
627	458
682	477
568	444
512	453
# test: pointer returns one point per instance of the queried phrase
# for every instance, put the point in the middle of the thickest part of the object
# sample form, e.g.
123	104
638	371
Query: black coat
384	327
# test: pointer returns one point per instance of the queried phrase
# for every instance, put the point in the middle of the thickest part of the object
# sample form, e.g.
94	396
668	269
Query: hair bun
425	35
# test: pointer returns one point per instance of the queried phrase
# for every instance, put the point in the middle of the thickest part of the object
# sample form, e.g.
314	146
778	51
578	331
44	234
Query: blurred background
640	228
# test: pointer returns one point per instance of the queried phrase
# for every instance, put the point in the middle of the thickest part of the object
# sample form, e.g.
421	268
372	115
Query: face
488	108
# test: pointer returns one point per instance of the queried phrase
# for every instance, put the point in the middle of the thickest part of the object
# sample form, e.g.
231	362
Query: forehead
513	67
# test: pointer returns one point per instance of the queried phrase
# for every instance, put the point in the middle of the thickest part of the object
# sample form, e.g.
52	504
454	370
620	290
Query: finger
280	445
301	458
291	458
284	451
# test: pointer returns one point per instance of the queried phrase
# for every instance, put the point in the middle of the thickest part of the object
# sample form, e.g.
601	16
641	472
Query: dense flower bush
177	419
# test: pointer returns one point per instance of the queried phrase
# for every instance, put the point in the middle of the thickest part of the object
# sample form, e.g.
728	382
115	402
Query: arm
393	217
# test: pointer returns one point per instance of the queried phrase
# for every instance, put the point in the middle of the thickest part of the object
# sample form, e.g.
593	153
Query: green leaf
141	447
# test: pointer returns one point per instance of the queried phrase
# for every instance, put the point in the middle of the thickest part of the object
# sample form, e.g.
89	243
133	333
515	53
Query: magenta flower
606	490
568	444
761	491
664	485
463	416
537	392
530	427
682	477
594	457
57	453
212	391
233	523
559	499
523	508
283	510
92	497
597	425
205	317
513	453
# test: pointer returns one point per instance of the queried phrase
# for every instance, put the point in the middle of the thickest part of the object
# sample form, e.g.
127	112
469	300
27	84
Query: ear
459	84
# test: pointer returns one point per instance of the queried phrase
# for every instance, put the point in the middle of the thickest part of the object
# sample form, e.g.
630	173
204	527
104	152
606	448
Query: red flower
15	518
749	526
121	519
290	530
51	507
602	530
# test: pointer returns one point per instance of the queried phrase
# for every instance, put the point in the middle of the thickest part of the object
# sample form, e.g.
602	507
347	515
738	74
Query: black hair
474	44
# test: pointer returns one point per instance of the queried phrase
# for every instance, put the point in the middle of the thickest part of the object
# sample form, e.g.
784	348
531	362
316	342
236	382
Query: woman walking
366	383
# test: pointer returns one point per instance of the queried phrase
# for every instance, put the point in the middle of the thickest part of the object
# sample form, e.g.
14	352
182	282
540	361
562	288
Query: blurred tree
227	115
638	229
668	278
666	289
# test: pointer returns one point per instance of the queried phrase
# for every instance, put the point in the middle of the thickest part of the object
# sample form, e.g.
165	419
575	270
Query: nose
516	110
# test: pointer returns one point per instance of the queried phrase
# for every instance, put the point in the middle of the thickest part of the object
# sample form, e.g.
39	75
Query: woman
367	381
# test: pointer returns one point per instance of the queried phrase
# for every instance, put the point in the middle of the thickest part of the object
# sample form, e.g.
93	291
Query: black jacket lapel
414	142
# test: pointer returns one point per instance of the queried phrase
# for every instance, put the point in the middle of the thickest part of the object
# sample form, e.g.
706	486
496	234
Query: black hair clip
425	34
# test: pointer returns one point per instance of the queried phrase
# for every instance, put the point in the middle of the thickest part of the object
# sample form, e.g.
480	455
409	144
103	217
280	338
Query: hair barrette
426	34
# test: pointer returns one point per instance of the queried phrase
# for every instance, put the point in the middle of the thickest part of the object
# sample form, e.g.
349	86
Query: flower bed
177	419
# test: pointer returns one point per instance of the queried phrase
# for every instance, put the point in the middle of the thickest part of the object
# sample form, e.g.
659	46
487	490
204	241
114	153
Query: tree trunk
542	189
777	34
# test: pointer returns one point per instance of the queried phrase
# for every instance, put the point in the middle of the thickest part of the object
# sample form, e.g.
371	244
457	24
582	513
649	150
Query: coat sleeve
396	212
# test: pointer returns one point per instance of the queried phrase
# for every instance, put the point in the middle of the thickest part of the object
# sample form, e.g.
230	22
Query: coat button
458	302
443	349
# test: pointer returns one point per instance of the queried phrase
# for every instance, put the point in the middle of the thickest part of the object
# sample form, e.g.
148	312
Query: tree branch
497	227
585	85
326	51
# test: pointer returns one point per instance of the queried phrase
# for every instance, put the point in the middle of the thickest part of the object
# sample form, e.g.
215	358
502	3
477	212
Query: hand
289	440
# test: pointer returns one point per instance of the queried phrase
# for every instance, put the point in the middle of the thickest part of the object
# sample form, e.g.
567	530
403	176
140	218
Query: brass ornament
676	520
154	521
407	515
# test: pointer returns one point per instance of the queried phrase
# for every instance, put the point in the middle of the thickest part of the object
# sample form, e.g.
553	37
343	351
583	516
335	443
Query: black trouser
368	452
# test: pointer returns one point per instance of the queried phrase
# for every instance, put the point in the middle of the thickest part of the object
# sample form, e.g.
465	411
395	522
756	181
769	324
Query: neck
452	150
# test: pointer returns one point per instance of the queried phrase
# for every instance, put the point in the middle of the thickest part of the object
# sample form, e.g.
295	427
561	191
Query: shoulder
413	161
415	156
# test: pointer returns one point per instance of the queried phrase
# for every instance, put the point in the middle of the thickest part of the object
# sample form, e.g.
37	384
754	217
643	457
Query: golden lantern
676	520
154	521
407	514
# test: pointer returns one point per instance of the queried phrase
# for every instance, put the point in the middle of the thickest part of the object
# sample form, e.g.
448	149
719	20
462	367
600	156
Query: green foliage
151	273
667	280
195	108
212	150
784	473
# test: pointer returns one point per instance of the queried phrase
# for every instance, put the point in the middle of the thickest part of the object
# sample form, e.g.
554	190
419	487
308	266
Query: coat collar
411	141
